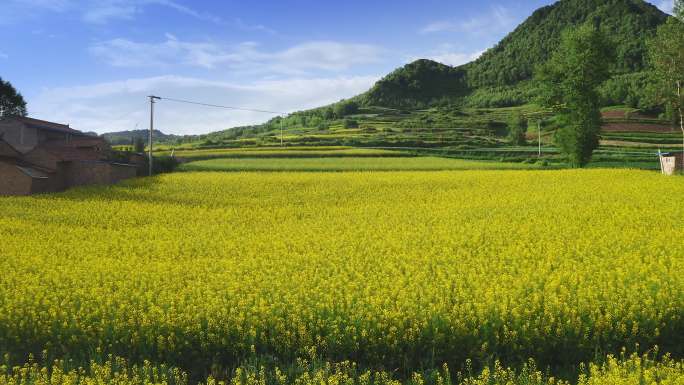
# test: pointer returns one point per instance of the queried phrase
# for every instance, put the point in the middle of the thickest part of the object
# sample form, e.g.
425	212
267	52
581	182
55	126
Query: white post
539	135
152	99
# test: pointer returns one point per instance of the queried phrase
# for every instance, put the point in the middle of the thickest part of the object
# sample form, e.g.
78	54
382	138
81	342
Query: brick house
37	156
17	176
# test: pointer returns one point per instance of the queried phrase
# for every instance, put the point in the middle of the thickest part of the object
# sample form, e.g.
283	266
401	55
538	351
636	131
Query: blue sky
91	63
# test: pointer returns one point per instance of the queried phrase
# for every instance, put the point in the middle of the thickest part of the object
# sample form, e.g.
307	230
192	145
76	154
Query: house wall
86	173
89	173
140	162
45	136
120	172
13	181
46	185
18	135
41	158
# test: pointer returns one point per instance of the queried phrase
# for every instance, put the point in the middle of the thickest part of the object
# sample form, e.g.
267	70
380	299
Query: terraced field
630	138
349	164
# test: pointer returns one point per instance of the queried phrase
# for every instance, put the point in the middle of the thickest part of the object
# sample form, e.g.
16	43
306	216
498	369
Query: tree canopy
569	82
667	57
11	101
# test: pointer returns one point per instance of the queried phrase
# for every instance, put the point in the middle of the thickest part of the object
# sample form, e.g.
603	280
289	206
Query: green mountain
422	81
428	104
128	137
511	63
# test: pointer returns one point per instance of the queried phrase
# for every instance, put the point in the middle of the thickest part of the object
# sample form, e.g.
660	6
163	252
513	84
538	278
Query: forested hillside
629	23
417	83
499	77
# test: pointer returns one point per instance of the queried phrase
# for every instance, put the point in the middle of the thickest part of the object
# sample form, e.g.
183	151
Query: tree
679	9
139	144
569	82
517	127
11	101
328	113
345	108
666	52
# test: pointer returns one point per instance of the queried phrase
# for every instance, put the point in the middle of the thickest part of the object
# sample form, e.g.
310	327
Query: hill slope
128	137
512	61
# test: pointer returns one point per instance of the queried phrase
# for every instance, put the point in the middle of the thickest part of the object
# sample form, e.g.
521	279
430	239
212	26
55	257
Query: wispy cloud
187	10
94	11
496	20
3	55
242	25
316	55
120	105
104	11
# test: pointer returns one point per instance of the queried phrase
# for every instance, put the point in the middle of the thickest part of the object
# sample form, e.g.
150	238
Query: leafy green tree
11	101
328	113
345	108
569	82
517	127
679	9
139	145
667	58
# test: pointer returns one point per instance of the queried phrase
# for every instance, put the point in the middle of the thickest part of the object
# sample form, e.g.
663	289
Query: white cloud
120	105
317	55
127	53
496	20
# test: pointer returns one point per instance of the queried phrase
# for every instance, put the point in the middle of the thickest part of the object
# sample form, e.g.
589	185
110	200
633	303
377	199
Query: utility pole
152	101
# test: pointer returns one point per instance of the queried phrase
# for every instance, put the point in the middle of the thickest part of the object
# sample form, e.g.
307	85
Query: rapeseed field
355	278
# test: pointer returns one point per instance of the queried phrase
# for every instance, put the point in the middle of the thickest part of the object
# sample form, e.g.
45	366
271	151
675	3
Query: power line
220	106
153	98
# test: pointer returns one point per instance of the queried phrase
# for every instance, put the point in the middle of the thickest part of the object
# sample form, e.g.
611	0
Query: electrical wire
220	106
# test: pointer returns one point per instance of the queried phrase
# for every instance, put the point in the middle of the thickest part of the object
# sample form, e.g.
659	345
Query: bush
164	164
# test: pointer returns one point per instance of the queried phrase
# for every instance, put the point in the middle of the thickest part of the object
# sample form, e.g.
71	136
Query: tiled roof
50	126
